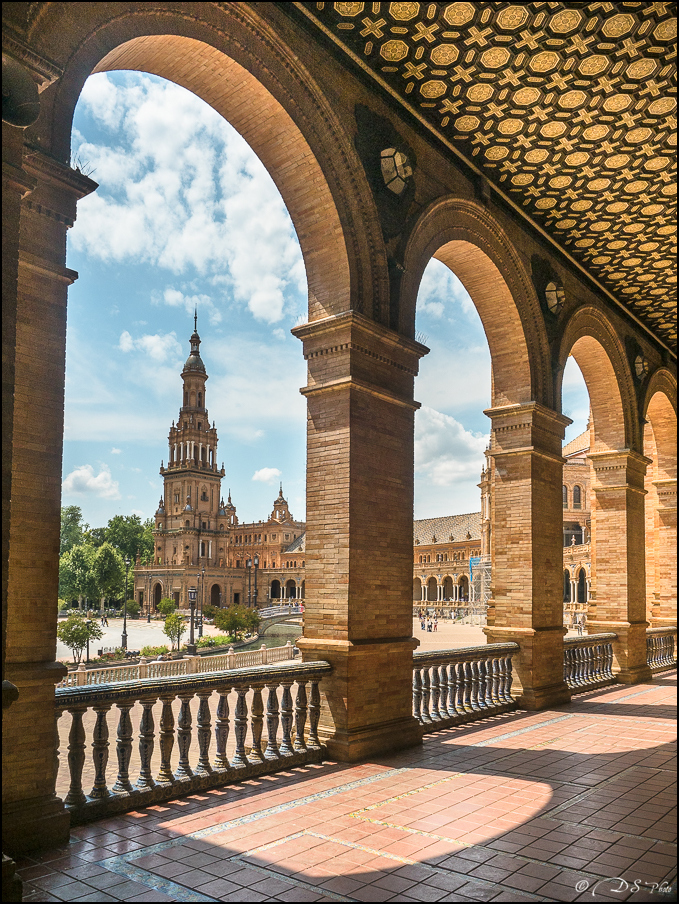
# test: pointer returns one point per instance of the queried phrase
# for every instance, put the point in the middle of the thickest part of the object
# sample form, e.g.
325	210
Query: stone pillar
618	558
665	608
360	439
32	815
527	548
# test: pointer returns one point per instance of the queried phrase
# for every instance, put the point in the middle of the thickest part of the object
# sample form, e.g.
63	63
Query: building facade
198	538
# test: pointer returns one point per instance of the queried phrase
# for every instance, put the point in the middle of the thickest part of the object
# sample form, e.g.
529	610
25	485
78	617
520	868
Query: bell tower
190	508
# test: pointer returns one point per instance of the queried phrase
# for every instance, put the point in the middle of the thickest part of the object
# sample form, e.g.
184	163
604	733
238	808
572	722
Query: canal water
276	636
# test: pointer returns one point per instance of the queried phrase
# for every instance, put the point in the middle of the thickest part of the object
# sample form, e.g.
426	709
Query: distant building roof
298	545
579	444
451	526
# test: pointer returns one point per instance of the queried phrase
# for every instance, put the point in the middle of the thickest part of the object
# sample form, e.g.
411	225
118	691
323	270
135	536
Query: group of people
427	623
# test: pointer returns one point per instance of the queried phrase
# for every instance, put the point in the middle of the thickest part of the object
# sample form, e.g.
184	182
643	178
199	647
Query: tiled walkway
571	804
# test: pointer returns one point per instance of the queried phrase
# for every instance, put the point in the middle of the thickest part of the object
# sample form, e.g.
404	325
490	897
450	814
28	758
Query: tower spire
195	319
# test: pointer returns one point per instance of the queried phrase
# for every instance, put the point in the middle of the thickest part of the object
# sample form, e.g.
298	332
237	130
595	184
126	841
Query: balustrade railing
455	686
166	771
661	648
588	661
189	665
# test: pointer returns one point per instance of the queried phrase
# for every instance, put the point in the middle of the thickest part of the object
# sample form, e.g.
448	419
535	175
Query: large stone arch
659	409
465	237
232	58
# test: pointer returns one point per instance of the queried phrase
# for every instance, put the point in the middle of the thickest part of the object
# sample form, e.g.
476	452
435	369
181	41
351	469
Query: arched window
202	549
186	398
200	399
554	297
577	497
564	490
582	586
566	586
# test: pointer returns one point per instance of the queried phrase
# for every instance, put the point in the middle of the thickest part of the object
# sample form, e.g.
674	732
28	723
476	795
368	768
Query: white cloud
159	348
82	481
115	451
194	198
177	299
446	453
267	475
439	289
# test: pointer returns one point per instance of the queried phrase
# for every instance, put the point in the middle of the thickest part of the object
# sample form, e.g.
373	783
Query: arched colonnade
362	361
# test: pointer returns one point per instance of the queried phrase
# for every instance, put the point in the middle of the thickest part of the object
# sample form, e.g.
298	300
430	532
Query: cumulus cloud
159	348
439	289
178	299
82	481
115	451
446	453
189	199
267	475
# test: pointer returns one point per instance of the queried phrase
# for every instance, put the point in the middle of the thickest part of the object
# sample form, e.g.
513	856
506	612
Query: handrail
588	660
281	751
661	648
451	687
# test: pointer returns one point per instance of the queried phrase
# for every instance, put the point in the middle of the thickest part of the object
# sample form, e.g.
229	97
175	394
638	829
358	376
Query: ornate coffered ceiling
569	109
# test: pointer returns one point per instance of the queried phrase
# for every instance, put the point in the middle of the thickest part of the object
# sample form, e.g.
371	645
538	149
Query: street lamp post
248	565
191	646
124	638
148	602
202	595
88	622
256	567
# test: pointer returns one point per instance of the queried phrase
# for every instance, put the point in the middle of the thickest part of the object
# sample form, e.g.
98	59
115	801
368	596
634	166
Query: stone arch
599	353
432	590
463	584
582	586
157	595
290	589
463	235
417	590
215	596
566	585
267	94
660	412
275	590
447	587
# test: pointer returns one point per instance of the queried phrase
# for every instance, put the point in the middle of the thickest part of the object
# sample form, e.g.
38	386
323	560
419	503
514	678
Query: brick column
665	606
359	547
32	815
527	548
618	558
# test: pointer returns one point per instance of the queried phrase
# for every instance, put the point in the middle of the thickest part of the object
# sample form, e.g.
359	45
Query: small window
554	297
577	497
564	491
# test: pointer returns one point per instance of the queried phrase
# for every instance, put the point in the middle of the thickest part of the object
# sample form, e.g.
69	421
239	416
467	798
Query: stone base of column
30	825
537	668
366	703
630	659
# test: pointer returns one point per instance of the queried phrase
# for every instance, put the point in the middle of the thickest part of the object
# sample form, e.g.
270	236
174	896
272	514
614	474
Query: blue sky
186	216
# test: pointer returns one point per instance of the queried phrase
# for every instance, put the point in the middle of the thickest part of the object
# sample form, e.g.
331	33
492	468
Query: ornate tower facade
191	517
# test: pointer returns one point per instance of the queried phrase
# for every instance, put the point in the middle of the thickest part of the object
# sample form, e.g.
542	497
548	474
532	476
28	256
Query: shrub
210	611
63	605
75	632
174	628
166	606
132	608
155	651
236	620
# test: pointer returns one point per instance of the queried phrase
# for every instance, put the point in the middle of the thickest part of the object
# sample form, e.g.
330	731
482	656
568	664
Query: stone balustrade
661	648
189	665
588	661
292	733
455	686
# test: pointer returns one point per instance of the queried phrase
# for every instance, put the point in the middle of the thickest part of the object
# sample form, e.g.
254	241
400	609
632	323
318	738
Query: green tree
129	535
109	571
75	632
167	606
96	536
76	573
72	528
236	619
174	628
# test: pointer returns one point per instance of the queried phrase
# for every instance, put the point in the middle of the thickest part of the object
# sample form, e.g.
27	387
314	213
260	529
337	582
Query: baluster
591	663
567	665
184	736
582	656
300	716
649	652
57	715
508	679
76	758
452	689
468	687
146	745
587	665
443	692
459	702
271	752
497	700
417	695
488	663
426	718
240	725
124	749
203	766
257	721
435	694
222	728
474	696
609	660
313	740
286	718
100	751
484	681
596	663
166	739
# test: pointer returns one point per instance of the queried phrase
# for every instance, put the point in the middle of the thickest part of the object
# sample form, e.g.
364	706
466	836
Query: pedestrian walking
436	623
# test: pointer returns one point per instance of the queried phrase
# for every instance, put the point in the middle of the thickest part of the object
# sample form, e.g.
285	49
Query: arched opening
157	595
432	590
302	590
566	586
216	596
290	589
463	585
417	590
448	588
577	497
582	587
660	503
275	591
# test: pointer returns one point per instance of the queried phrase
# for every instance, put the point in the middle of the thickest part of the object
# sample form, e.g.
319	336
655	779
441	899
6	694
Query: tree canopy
75	632
73	528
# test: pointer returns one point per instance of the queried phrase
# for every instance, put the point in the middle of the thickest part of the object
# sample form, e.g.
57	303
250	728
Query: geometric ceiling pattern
569	109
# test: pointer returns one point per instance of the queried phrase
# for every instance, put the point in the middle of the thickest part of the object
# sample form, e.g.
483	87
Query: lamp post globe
124	637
